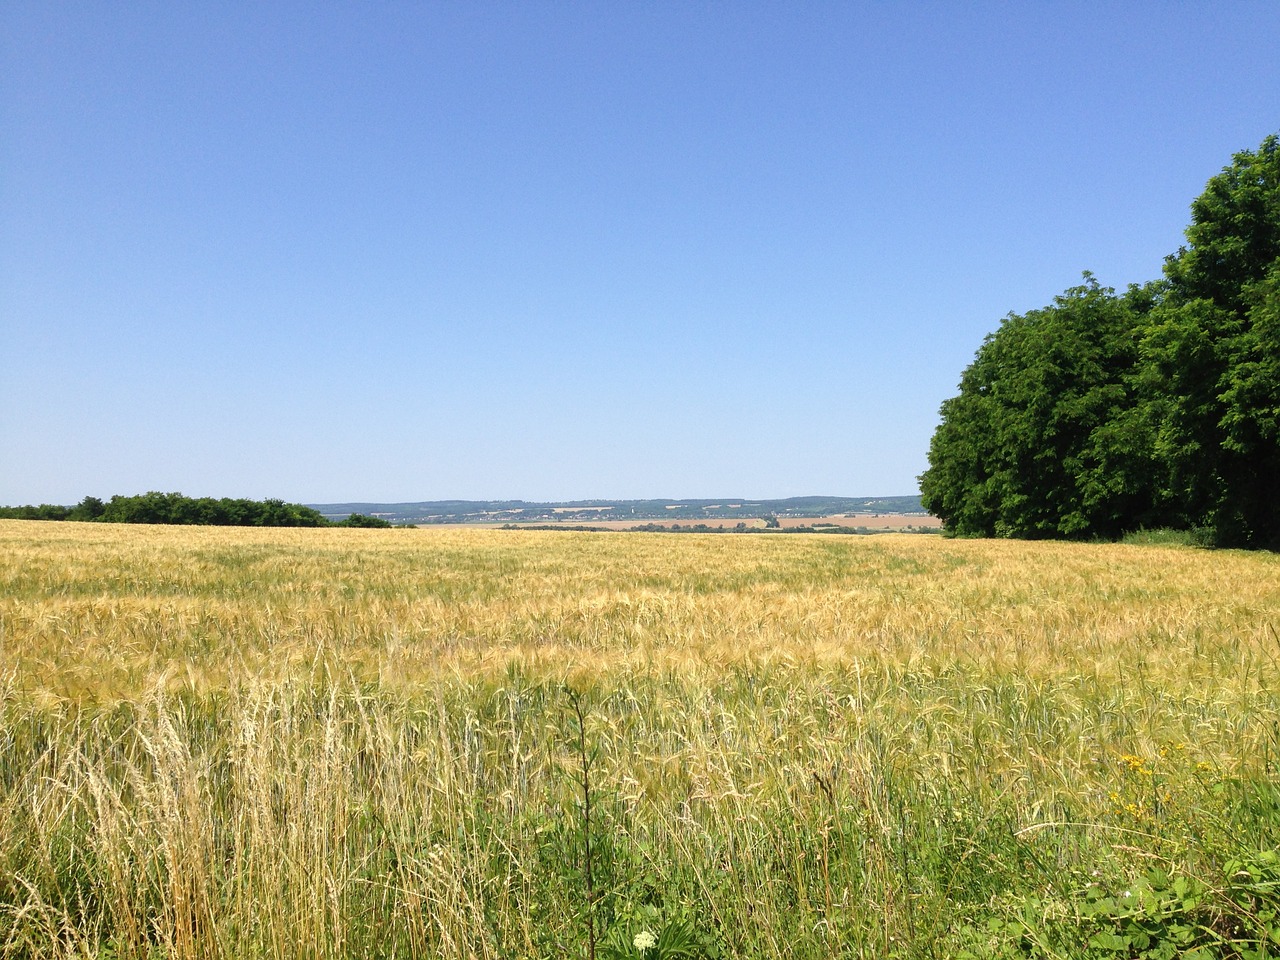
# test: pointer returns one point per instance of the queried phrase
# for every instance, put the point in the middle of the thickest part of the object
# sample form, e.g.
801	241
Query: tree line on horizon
174	508
1103	414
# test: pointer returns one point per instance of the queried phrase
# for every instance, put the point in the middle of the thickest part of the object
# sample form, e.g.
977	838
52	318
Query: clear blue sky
542	250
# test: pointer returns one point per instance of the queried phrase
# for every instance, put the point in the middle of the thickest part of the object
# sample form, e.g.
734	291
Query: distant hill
523	511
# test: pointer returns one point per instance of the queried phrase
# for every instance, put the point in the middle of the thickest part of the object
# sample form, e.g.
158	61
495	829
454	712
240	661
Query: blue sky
547	251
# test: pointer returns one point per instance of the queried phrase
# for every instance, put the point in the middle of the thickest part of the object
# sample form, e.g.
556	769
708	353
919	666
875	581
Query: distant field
222	742
867	521
482	512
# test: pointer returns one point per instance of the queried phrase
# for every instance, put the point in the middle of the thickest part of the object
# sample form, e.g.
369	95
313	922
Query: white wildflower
644	940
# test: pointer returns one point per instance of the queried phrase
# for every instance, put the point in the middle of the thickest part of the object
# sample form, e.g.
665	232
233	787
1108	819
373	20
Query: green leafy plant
1159	916
642	934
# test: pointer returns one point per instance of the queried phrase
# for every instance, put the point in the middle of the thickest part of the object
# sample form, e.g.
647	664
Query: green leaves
644	935
1234	236
1101	414
1038	444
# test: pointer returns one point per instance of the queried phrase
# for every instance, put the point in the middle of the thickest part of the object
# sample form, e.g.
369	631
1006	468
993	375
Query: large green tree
1212	356
1100	414
1045	438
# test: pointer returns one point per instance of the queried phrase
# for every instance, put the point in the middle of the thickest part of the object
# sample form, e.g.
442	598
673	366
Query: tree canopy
1102	413
174	508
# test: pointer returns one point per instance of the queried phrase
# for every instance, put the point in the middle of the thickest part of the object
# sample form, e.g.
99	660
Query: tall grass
364	743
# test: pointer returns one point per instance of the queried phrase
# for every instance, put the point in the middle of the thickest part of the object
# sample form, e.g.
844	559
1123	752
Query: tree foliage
156	507
174	508
363	520
1100	414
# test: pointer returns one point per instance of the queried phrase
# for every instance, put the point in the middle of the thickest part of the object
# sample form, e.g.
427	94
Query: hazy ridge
520	511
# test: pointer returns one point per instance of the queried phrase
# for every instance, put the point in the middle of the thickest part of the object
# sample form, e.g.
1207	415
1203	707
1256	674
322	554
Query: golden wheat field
494	743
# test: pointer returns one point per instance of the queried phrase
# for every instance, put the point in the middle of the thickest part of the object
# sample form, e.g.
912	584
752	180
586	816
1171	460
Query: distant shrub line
174	508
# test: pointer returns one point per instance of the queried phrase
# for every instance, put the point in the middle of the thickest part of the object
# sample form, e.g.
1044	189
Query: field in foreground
349	743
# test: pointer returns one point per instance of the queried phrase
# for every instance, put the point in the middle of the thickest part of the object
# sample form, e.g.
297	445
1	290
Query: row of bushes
175	508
